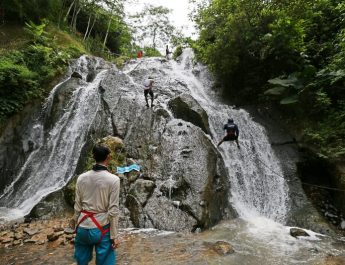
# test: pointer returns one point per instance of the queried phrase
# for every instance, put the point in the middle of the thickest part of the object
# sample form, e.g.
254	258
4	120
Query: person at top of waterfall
232	132
148	84
167	52
96	211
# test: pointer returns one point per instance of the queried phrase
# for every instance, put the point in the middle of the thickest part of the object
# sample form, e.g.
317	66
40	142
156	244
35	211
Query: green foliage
151	52
153	23
24	74
289	52
37	32
17	84
89	19
178	51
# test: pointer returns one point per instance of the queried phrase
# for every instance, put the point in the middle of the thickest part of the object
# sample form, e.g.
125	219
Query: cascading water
255	174
258	192
57	149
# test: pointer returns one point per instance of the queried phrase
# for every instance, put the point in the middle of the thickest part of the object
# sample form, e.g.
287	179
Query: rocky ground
51	242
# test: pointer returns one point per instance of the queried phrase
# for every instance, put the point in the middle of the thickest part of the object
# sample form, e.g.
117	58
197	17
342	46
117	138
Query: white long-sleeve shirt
98	192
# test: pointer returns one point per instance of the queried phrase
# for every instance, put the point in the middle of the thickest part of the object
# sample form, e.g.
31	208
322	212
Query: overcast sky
179	16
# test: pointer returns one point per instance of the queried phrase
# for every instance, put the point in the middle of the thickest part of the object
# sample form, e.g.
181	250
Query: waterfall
57	147
258	188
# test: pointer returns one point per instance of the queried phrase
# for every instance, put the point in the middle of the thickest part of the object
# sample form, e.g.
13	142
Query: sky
179	16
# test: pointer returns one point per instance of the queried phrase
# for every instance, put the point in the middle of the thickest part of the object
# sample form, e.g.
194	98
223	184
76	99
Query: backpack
230	128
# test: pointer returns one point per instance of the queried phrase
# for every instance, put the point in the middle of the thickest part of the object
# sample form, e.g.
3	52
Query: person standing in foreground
232	132
148	84
96	212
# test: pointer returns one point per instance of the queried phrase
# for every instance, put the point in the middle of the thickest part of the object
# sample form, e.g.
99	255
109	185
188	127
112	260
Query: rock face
179	161
185	107
184	183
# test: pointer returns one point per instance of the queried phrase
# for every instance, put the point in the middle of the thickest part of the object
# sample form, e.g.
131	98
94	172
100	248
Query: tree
153	23
116	8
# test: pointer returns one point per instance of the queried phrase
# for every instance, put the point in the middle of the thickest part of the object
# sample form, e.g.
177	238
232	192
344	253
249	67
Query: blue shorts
86	240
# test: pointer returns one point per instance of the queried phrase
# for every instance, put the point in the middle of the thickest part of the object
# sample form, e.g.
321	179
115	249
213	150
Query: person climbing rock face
96	212
148	84
232	132
167	52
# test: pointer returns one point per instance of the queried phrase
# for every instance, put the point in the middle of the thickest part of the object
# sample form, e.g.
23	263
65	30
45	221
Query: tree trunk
106	35
87	28
94	21
69	10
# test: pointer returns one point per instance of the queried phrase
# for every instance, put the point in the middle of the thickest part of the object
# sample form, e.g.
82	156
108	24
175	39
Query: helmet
230	120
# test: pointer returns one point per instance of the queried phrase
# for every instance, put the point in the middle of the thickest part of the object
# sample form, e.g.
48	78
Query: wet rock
185	107
30	241
76	75
30	232
90	77
114	143
132	176
17	242
313	250
176	203
334	260
58	229
18	236
174	219
53	204
6	240
223	248
69	231
296	232
69	237
53	236
142	190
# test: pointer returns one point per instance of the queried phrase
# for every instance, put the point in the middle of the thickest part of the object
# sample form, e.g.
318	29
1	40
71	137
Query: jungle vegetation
290	54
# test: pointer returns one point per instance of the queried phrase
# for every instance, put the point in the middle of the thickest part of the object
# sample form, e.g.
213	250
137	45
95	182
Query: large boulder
185	107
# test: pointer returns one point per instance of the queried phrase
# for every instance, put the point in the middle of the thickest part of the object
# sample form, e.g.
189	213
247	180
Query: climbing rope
304	183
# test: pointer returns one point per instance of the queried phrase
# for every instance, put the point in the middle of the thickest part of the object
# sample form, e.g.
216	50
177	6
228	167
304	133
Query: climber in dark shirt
232	132
167	52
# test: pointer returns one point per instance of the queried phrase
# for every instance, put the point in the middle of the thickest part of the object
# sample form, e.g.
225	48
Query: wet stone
69	231
76	75
16	242
58	229
52	237
60	233
6	240
296	232
30	232
30	241
69	237
18	236
223	248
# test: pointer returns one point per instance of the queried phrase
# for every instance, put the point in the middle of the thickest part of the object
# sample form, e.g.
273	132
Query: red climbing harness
94	220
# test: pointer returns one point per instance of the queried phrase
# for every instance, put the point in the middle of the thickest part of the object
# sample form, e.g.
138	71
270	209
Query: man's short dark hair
100	153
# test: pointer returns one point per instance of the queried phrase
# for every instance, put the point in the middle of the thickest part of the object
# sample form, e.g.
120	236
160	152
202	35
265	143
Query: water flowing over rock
174	142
